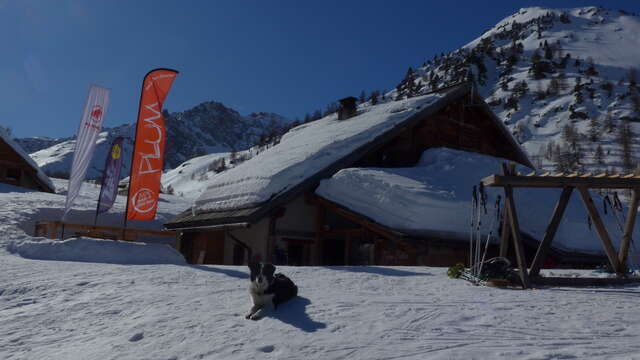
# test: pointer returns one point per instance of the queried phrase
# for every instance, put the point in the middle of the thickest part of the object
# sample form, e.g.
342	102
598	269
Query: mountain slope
563	80
207	128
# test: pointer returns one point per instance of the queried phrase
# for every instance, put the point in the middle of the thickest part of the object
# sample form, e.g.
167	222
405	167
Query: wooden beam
320	221
602	231
560	281
506	232
357	219
561	181
628	230
541	254
53	225
517	240
506	226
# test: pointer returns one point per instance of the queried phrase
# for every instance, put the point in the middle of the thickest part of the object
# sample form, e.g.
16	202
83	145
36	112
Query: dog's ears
268	269
253	266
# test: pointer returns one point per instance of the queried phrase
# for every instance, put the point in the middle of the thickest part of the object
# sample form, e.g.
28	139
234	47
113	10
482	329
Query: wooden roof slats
601	181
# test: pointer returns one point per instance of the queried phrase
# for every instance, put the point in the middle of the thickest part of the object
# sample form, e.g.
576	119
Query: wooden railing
54	230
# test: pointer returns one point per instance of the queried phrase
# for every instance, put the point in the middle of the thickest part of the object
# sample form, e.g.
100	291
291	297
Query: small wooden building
293	225
17	168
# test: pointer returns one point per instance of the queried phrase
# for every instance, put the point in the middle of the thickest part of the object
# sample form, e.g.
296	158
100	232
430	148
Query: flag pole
95	219
133	153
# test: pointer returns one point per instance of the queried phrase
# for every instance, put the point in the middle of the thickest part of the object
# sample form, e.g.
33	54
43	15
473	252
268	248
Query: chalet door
207	248
238	255
333	252
295	254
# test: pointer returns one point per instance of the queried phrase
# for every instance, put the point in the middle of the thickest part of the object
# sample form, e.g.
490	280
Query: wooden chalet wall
457	126
14	170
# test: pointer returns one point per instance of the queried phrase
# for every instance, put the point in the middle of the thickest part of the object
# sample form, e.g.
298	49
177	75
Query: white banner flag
90	126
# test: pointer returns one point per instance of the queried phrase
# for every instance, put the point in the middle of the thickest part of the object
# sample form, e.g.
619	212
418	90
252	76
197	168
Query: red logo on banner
96	114
148	154
96	117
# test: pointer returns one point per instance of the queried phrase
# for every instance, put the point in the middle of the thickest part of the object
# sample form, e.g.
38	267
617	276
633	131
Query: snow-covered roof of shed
304	151
6	137
433	199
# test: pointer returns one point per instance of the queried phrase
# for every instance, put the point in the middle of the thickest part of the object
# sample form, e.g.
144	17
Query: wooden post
628	230
602	231
347	247
515	233
541	254
506	232
504	237
320	220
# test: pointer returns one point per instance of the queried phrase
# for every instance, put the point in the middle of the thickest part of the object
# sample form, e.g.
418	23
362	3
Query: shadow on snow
218	270
293	312
377	270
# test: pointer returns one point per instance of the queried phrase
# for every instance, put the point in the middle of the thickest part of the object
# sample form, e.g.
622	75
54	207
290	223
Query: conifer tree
594	129
633	78
577	91
553	88
625	138
598	156
548	52
374	97
609	124
562	81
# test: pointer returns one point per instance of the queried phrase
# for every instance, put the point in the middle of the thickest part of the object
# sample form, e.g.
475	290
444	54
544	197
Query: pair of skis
616	209
477	254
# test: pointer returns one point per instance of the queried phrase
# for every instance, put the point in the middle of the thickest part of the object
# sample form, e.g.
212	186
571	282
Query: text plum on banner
148	152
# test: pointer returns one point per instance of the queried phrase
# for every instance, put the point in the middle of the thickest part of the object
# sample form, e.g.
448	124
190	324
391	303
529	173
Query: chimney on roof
347	108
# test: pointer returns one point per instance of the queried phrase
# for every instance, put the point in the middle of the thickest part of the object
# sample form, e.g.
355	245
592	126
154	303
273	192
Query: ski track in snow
82	310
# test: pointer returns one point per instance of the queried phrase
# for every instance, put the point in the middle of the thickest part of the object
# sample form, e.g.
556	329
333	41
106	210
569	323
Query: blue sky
288	57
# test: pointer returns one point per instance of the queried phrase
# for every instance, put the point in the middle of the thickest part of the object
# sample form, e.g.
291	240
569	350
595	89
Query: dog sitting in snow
268	290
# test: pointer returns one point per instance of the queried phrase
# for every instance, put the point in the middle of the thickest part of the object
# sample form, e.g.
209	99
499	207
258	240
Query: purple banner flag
111	176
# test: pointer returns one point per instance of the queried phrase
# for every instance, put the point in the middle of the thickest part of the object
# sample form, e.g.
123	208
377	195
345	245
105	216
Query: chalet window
13	174
298	251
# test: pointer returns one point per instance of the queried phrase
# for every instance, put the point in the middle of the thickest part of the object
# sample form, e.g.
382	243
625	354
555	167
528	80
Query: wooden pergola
509	179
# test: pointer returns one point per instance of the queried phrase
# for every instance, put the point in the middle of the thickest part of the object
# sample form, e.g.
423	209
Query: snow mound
434	199
98	251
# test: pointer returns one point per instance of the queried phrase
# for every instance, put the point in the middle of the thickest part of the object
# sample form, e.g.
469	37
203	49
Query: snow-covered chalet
17	168
288	205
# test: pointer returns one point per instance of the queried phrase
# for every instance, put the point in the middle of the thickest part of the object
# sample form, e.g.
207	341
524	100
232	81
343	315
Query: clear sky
287	57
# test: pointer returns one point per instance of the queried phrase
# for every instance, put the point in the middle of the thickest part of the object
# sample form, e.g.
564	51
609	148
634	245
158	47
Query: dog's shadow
294	313
218	270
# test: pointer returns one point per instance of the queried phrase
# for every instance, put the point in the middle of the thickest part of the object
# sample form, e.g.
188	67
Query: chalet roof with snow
314	151
433	200
17	167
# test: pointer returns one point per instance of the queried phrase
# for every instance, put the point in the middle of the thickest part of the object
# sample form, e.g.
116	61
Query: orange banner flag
148	152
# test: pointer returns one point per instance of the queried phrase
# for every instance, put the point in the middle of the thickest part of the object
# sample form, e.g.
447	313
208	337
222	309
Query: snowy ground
87	310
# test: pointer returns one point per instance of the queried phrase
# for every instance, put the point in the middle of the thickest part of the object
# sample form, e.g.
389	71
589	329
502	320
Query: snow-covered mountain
208	128
38	143
563	80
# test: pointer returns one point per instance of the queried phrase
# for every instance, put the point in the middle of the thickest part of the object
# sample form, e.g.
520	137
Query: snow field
99	310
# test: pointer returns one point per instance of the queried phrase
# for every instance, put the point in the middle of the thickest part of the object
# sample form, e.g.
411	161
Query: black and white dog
268	290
